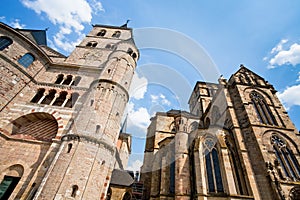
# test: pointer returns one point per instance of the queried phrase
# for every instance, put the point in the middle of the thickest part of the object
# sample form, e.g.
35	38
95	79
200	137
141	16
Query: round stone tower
83	166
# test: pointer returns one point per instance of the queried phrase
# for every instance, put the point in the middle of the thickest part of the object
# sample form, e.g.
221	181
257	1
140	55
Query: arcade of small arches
102	33
67	80
55	98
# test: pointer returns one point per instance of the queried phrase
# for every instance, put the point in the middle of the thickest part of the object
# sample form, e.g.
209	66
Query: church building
60	117
236	142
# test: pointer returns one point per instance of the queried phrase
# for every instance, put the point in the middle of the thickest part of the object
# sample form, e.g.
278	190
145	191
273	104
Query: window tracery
212	164
285	157
262	109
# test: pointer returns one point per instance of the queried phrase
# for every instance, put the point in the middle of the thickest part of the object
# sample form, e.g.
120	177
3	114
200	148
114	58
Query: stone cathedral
236	142
61	133
60	117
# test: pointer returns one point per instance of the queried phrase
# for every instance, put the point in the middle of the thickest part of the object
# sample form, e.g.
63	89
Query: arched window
71	102
7	186
212	164
11	177
110	46
101	33
38	95
69	147
116	34
98	128
48	99
285	157
60	99
68	80
262	109
5	42
172	176
26	60
130	51
91	44
134	56
76	80
59	79
74	190
236	162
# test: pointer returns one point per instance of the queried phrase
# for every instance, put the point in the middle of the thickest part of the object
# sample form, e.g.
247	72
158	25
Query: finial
125	25
46	29
241	65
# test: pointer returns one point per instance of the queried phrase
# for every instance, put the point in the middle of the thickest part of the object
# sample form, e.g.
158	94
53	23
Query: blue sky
262	35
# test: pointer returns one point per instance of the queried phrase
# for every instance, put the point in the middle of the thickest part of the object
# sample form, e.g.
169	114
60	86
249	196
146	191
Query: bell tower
267	134
83	166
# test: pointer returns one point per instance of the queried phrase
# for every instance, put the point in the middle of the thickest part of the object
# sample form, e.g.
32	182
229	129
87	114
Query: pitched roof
121	178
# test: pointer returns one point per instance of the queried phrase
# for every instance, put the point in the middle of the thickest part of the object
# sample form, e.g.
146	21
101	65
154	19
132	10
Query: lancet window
286	158
212	165
262	109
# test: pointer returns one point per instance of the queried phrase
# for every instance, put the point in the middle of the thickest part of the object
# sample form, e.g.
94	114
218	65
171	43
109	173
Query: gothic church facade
237	142
60	117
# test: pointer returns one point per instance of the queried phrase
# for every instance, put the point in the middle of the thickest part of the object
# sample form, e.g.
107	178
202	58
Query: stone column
54	99
43	97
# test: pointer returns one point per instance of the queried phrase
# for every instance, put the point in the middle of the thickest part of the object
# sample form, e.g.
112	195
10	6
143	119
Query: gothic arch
237	165
262	107
193	126
212	163
266	140
172	127
283	149
250	89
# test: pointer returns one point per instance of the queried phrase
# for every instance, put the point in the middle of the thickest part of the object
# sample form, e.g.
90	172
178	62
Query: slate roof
121	178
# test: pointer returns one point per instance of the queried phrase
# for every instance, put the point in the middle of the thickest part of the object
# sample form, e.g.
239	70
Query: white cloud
281	55
154	98
62	42
138	87
17	24
138	117
96	6
298	80
290	96
135	166
160	99
279	46
70	15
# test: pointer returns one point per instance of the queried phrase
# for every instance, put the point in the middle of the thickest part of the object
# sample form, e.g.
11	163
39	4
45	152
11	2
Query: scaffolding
137	190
